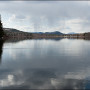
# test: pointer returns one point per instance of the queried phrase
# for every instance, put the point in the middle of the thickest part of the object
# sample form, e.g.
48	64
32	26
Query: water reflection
39	79
45	64
1	49
15	40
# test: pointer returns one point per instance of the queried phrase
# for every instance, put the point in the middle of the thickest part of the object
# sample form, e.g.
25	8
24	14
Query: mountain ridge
15	30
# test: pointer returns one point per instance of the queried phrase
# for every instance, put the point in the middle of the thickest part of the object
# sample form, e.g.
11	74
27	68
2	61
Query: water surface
45	64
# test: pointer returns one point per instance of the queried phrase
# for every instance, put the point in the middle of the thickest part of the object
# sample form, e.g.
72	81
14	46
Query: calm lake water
45	64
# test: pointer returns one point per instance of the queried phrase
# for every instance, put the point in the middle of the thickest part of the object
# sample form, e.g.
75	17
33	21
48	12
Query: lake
45	64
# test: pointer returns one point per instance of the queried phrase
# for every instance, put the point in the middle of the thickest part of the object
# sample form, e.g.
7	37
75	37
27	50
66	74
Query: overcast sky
46	16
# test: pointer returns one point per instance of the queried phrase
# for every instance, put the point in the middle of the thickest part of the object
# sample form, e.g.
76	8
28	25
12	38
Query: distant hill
12	30
15	30
56	33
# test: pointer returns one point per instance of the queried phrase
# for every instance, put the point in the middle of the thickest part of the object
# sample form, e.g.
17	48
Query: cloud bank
34	16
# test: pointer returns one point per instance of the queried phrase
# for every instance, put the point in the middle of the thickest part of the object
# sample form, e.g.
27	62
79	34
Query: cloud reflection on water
45	64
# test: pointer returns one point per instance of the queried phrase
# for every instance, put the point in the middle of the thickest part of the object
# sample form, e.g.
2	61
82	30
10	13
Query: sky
46	16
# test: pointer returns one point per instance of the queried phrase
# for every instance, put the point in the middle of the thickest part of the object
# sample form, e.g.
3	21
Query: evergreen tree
1	28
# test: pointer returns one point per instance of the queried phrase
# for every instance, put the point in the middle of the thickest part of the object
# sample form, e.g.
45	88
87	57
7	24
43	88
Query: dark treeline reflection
1	49
15	39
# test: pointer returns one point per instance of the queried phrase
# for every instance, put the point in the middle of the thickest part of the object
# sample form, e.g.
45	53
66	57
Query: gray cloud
49	14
